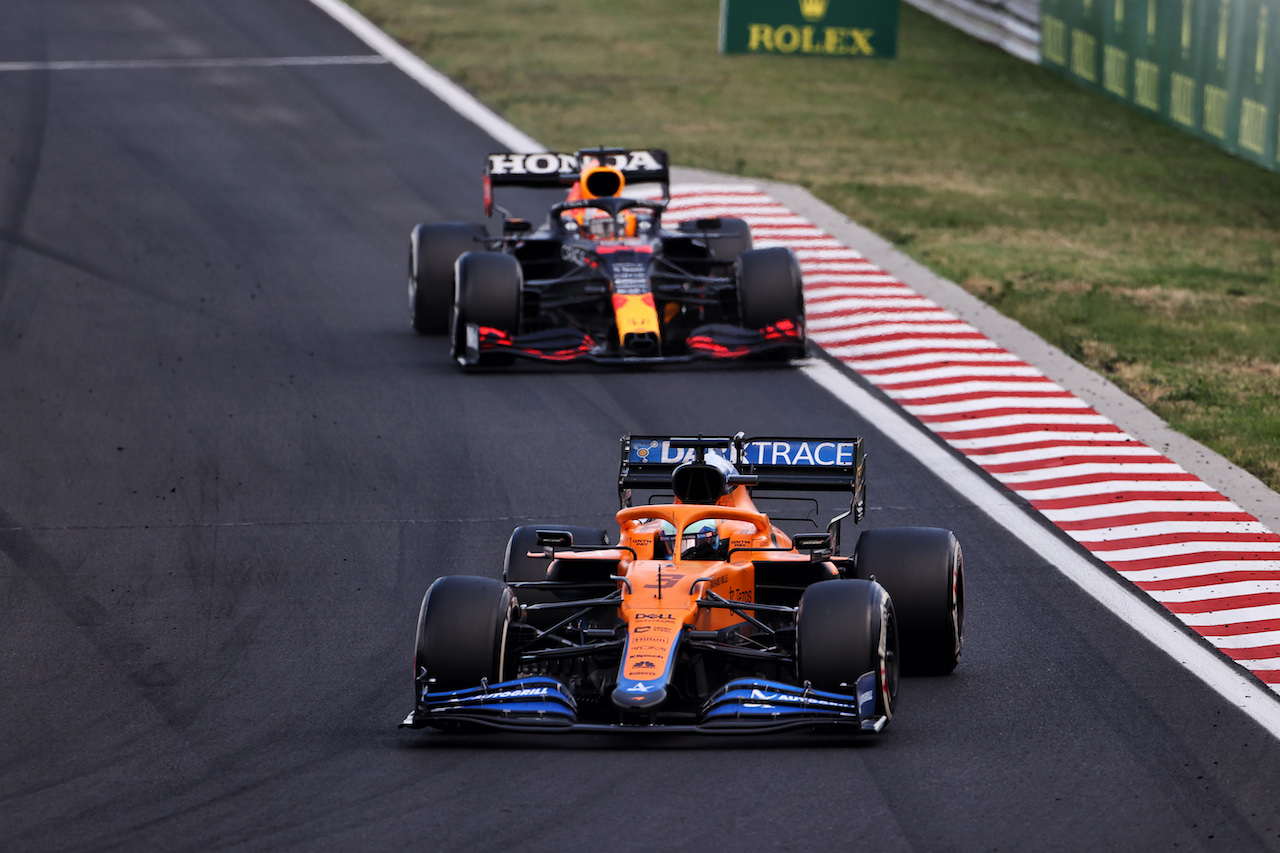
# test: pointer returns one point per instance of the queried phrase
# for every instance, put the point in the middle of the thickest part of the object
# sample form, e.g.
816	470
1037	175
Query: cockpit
607	218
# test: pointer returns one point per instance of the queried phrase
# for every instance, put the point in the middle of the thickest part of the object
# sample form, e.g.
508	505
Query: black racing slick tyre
433	249
734	239
923	569
519	567
488	290
726	236
769	287
845	629
462	634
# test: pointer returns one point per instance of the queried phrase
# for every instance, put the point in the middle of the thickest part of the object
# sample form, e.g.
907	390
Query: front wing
712	341
742	706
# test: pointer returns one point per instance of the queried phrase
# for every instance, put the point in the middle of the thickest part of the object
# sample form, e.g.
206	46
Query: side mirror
817	544
517	226
550	540
711	223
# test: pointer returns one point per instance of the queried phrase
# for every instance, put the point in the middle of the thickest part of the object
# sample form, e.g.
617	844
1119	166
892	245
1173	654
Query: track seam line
197	63
458	99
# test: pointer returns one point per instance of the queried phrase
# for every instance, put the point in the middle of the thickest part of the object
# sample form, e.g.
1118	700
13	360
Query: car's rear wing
553	169
762	463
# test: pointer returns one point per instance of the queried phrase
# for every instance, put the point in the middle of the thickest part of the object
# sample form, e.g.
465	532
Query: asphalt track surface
228	470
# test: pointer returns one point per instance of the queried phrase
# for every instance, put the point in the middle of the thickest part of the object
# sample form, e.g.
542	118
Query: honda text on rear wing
553	169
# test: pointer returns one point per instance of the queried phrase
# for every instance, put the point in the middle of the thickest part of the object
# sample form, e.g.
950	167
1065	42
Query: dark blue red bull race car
603	279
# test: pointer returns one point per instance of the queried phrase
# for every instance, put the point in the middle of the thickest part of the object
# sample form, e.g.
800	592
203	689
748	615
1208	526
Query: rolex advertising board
1209	67
849	28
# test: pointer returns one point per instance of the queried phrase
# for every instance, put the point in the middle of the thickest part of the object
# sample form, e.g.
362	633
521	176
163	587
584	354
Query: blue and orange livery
702	615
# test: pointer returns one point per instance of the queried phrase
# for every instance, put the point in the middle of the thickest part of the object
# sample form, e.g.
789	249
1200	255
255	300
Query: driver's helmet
701	541
599	225
664	541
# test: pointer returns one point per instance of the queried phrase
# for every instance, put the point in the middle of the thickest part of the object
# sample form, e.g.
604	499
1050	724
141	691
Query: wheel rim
887	659
413	278
957	600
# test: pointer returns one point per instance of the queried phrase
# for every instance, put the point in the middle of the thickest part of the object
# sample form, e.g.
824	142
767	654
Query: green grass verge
1140	251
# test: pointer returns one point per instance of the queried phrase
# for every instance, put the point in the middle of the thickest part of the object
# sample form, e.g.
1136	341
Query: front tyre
462	634
845	629
770	288
433	249
489	288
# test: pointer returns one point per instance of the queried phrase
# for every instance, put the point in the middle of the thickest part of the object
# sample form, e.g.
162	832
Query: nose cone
642	344
638	695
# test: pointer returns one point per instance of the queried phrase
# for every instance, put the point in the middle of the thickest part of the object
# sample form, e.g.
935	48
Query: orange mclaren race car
703	616
602	279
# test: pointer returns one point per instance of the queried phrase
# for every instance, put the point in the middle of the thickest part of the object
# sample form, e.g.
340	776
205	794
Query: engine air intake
699	483
602	182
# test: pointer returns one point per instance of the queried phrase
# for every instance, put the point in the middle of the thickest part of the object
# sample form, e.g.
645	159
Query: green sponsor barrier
1210	67
848	28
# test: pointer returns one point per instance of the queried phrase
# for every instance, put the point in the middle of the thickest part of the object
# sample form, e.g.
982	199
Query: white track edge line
1225	678
459	99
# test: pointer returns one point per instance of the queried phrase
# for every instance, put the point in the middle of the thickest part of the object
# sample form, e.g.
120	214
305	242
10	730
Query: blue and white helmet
701	541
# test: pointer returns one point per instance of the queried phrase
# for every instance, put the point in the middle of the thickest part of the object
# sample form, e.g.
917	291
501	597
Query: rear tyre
462	634
734	239
845	629
519	567
487	292
923	569
726	236
769	287
433	249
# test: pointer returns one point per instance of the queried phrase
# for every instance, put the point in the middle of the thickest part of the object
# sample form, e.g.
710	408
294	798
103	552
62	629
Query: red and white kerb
1208	562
